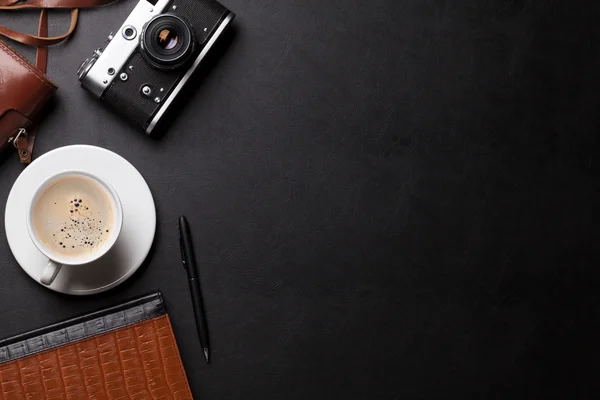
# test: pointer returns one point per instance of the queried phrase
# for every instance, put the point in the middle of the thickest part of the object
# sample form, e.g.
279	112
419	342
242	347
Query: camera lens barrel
168	41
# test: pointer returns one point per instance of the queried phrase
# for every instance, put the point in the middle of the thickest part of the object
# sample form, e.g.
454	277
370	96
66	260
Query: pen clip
182	250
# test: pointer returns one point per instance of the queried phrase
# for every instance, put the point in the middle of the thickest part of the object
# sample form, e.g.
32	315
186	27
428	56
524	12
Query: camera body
152	56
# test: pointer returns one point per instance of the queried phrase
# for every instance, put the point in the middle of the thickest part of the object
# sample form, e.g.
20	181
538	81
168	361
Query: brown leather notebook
123	352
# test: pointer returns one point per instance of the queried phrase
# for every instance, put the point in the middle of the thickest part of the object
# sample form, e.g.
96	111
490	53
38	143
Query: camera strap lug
23	142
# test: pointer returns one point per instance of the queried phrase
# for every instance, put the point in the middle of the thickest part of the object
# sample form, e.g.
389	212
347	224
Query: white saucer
139	219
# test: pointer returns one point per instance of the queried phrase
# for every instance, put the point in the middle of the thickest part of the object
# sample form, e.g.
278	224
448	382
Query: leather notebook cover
123	352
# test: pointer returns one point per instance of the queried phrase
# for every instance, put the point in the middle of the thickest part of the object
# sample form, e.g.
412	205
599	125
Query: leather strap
41	56
38	41
41	40
16	4
25	144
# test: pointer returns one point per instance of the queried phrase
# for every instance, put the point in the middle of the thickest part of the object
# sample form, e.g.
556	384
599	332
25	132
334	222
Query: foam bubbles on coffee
73	216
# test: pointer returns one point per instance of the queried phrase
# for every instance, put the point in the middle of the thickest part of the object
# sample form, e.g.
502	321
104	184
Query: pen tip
206	355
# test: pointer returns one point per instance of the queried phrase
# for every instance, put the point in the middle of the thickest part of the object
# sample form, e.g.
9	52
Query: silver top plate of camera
121	46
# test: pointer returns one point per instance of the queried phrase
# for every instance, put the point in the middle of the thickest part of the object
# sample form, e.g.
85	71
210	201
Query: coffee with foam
73	216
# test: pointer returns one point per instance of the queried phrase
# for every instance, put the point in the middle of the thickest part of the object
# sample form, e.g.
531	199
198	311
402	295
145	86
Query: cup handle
49	273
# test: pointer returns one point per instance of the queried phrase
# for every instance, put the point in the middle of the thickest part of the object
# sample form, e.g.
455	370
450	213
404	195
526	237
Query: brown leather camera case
24	90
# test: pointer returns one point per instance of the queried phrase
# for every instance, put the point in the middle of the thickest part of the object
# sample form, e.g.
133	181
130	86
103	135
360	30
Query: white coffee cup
55	260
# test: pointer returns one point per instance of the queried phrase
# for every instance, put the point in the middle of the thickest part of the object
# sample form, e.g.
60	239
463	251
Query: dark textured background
390	199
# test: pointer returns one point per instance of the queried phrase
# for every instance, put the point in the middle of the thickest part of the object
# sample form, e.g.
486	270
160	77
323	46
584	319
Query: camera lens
167	41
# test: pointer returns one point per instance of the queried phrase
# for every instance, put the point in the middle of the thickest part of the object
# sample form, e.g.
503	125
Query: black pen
189	263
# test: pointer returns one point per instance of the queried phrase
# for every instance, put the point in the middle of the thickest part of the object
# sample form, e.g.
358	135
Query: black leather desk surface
390	199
